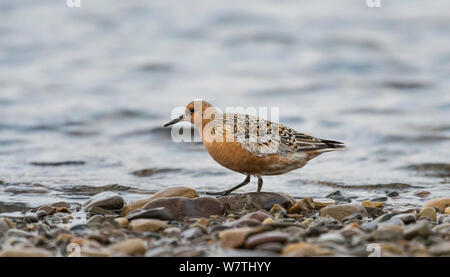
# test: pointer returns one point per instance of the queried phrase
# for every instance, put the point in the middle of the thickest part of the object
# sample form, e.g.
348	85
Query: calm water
93	85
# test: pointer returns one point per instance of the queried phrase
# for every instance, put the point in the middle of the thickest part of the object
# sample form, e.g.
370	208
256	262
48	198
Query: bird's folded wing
262	137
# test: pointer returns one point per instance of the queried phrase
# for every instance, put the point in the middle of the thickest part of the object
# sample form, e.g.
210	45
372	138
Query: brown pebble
122	222
305	204
47	209
144	225
62	210
272	236
422	194
64	238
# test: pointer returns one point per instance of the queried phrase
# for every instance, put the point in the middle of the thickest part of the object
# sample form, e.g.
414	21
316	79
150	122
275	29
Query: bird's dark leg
260	183
228	191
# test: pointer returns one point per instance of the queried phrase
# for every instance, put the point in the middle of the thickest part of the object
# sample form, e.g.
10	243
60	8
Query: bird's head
197	112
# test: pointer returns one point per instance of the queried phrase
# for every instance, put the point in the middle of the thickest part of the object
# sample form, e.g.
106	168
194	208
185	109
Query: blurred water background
84	93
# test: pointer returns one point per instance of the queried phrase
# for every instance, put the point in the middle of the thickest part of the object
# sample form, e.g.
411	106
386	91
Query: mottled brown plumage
251	145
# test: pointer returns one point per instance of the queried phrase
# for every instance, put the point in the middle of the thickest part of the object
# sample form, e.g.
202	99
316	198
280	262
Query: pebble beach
87	168
178	222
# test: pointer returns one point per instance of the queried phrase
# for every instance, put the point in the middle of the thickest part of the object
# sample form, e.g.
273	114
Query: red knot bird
251	145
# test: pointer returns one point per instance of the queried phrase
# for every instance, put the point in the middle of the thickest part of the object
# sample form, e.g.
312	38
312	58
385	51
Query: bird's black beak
176	120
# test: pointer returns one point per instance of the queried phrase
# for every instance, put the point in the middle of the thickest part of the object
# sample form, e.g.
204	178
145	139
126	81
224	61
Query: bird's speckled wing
262	137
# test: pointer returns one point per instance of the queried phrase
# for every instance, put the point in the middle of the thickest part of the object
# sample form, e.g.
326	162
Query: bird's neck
205	124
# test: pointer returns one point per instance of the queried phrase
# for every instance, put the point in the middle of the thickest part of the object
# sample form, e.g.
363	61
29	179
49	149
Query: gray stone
421	228
180	207
265	237
441	249
3	228
369	226
158	213
254	201
192	233
443	218
96	220
322	225
392	193
275	247
106	200
388	232
374	212
379	199
337	195
331	238
340	211
395	221
405	218
442	229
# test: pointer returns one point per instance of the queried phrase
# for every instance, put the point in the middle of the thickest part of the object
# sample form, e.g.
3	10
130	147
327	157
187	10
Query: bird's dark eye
192	110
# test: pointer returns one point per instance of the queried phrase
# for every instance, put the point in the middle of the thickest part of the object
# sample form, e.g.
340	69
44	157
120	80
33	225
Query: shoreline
180	222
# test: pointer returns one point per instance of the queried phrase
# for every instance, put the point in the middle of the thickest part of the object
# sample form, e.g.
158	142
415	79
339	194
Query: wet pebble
172	231
372	204
254	201
3	228
268	221
48	210
320	203
331	238
275	247
352	218
392	193
441	249
122	222
443	229
303	249
369	226
421	228
130	247
169	192
143	225
25	252
340	211
441	204
271	236
25	189
192	233
374	212
428	212
157	213
233	238
422	194
258	215
337	195
305	204
322	225
242	222
379	199
105	200
387	217
96	220
443	218
388	232
180	207
405	218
